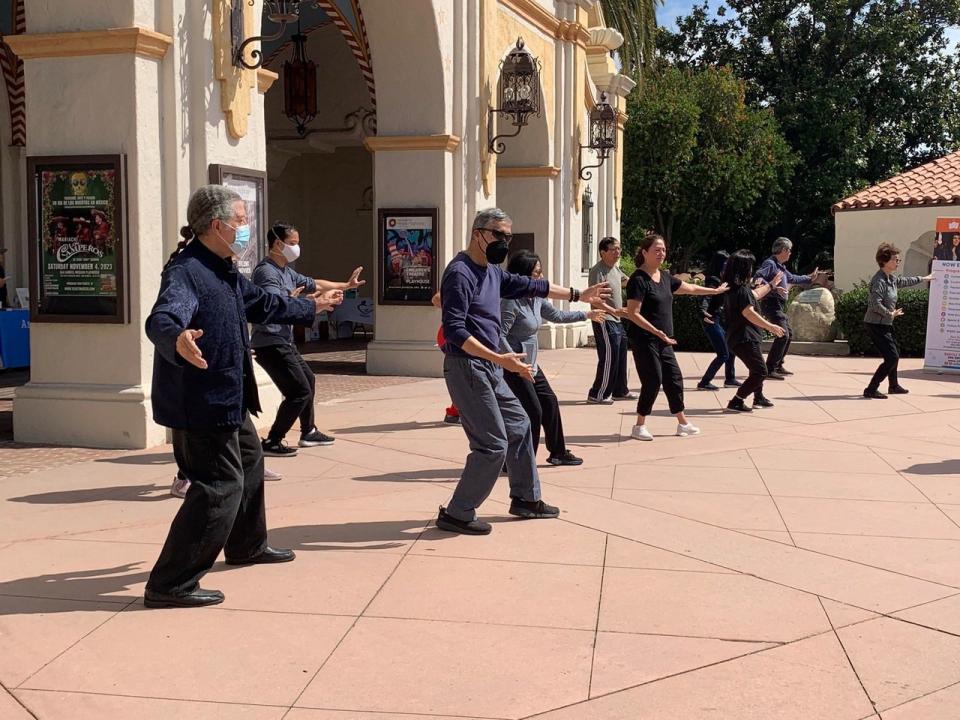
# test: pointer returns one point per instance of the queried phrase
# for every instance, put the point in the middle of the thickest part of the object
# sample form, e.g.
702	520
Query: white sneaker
270	475
599	401
640	432
688	429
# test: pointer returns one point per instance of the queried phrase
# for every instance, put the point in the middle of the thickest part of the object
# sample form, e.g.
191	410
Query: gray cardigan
521	319
882	297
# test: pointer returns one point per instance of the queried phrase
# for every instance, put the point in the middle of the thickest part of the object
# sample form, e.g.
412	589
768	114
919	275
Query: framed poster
942	347
251	185
407	256
77	239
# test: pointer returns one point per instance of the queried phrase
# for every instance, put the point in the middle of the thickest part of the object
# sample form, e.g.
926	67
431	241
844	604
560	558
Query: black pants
781	345
611	376
540	402
656	366
224	509
296	382
884	340
751	356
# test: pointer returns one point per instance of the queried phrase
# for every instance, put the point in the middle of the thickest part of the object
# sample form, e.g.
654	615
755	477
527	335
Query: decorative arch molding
12	67
355	33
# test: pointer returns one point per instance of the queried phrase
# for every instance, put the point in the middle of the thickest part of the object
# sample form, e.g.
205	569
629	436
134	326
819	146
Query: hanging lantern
300	85
603	135
519	93
278	12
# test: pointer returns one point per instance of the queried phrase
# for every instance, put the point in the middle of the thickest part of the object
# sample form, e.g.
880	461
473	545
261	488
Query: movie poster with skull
79	247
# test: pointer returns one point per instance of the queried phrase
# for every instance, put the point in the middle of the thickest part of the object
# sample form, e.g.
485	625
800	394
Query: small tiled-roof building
902	210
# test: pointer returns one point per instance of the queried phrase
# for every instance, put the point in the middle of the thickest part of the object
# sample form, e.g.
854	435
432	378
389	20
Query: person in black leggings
650	292
744	323
882	310
711	317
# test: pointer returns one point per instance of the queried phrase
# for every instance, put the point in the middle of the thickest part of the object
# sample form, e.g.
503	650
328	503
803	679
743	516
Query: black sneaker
774	375
706	386
732	383
277	448
759	401
530	509
783	371
874	394
451	419
737	405
897	390
567	458
464	527
315	438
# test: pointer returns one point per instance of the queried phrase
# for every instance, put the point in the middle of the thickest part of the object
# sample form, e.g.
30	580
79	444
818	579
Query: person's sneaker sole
274	453
463	529
314	443
532	515
737	410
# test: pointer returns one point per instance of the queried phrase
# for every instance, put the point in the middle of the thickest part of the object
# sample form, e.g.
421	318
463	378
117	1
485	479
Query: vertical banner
942	348
407	253
76	219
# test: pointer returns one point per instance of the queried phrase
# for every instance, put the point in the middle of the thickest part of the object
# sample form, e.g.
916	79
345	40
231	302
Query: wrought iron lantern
519	93
603	135
300	85
279	12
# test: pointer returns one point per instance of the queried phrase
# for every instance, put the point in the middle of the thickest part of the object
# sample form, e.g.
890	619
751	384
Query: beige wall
859	232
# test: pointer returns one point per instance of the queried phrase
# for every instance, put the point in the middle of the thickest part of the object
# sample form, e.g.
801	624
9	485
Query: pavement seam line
18	701
356	619
772	499
847	656
927	497
596	627
920	697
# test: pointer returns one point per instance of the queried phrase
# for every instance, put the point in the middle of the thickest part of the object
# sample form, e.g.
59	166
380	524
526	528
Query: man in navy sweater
493	419
204	390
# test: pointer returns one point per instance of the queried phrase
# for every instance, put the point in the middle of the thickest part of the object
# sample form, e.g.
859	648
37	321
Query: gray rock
812	315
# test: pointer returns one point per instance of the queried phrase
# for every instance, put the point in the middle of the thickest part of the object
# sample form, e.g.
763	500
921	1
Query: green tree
700	167
863	89
636	20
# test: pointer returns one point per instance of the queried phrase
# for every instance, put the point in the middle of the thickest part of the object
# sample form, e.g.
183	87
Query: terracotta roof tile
936	183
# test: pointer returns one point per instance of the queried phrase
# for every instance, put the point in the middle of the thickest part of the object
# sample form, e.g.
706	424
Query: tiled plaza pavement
801	562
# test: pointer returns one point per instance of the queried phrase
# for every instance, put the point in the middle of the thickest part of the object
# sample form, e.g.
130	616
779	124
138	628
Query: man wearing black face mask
493	419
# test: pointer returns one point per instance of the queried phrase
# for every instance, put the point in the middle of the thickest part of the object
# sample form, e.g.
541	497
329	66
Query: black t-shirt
739	329
656	303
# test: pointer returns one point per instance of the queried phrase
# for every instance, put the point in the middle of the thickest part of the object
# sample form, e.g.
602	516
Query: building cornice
265	79
401	143
528	171
111	41
547	22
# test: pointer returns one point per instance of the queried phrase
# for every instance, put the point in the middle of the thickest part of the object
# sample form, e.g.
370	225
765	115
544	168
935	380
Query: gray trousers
498	429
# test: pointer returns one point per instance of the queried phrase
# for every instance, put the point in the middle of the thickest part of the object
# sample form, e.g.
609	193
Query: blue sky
668	12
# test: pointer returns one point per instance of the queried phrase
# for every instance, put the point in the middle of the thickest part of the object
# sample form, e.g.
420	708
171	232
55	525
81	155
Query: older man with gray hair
496	424
774	303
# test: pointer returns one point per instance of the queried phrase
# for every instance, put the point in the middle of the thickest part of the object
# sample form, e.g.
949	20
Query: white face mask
290	252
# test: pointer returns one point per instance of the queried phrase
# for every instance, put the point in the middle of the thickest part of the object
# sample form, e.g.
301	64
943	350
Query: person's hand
598	315
777	278
666	338
782	291
776	330
925	278
188	350
514	362
296	291
721	289
708	319
898	312
600	290
326	300
355	281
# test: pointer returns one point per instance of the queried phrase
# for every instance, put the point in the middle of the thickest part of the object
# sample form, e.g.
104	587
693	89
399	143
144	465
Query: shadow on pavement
944	467
441	474
145	459
393	427
75	588
119	493
386	534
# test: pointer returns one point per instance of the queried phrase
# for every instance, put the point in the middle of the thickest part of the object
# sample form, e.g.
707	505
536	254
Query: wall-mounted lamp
300	85
603	135
519	93
279	12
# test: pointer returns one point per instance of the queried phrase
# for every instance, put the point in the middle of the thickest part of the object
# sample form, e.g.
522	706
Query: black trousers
223	510
750	355
885	341
657	366
542	407
611	376
296	382
781	345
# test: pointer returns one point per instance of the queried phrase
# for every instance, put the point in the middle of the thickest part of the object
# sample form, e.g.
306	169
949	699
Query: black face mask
496	251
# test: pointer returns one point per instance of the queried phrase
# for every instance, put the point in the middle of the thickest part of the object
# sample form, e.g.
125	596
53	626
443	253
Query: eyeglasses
498	234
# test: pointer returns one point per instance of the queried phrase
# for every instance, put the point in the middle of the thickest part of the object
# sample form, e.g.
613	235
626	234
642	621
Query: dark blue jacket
201	291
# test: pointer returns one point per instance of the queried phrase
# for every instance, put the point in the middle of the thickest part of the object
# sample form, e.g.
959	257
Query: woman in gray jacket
881	311
520	321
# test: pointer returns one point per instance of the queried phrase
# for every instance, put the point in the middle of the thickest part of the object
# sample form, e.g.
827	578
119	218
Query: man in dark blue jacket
204	390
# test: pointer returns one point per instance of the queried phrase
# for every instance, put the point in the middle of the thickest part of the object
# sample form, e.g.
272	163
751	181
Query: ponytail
186	234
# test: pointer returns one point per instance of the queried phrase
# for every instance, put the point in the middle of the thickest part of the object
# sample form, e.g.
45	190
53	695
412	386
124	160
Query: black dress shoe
874	394
783	371
198	597
268	555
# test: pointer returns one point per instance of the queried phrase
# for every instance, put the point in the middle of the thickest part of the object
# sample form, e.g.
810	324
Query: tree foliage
636	20
701	168
863	89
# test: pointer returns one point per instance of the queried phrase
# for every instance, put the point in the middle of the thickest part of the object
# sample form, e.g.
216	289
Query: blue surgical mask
241	239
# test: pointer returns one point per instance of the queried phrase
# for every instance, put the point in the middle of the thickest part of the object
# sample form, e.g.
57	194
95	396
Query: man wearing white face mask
276	351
